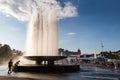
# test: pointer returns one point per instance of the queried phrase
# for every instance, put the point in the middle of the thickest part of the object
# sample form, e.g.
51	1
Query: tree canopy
5	53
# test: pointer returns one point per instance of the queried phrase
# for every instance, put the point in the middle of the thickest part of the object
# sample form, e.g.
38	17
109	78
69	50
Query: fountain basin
47	69
48	60
44	58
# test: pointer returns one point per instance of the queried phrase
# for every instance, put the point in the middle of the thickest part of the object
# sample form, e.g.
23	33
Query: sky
83	24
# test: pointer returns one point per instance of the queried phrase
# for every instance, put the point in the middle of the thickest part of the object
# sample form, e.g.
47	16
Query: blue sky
97	21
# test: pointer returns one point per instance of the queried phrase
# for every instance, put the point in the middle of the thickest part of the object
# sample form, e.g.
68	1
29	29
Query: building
73	57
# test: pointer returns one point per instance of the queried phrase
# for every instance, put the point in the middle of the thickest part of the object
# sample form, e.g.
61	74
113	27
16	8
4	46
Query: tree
5	52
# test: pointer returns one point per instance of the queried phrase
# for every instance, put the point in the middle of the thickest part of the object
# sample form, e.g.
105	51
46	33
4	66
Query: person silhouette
17	63
10	64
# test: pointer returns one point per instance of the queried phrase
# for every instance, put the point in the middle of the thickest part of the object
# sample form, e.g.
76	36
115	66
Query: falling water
42	36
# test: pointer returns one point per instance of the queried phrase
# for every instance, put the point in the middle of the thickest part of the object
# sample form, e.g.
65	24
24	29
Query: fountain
42	44
42	34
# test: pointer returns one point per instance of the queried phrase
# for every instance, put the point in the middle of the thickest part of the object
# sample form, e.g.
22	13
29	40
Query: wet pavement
86	73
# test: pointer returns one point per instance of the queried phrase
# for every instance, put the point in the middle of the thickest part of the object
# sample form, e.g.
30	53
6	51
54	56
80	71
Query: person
10	64
17	63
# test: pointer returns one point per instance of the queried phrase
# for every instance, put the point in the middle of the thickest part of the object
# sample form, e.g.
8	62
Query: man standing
10	64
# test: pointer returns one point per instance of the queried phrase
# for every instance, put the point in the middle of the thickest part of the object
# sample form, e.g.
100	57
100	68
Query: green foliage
111	55
5	52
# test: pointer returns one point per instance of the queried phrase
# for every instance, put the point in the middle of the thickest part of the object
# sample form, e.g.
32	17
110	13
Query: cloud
71	34
7	15
22	9
68	11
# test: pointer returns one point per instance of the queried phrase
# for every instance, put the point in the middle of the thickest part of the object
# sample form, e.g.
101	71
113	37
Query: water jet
42	45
